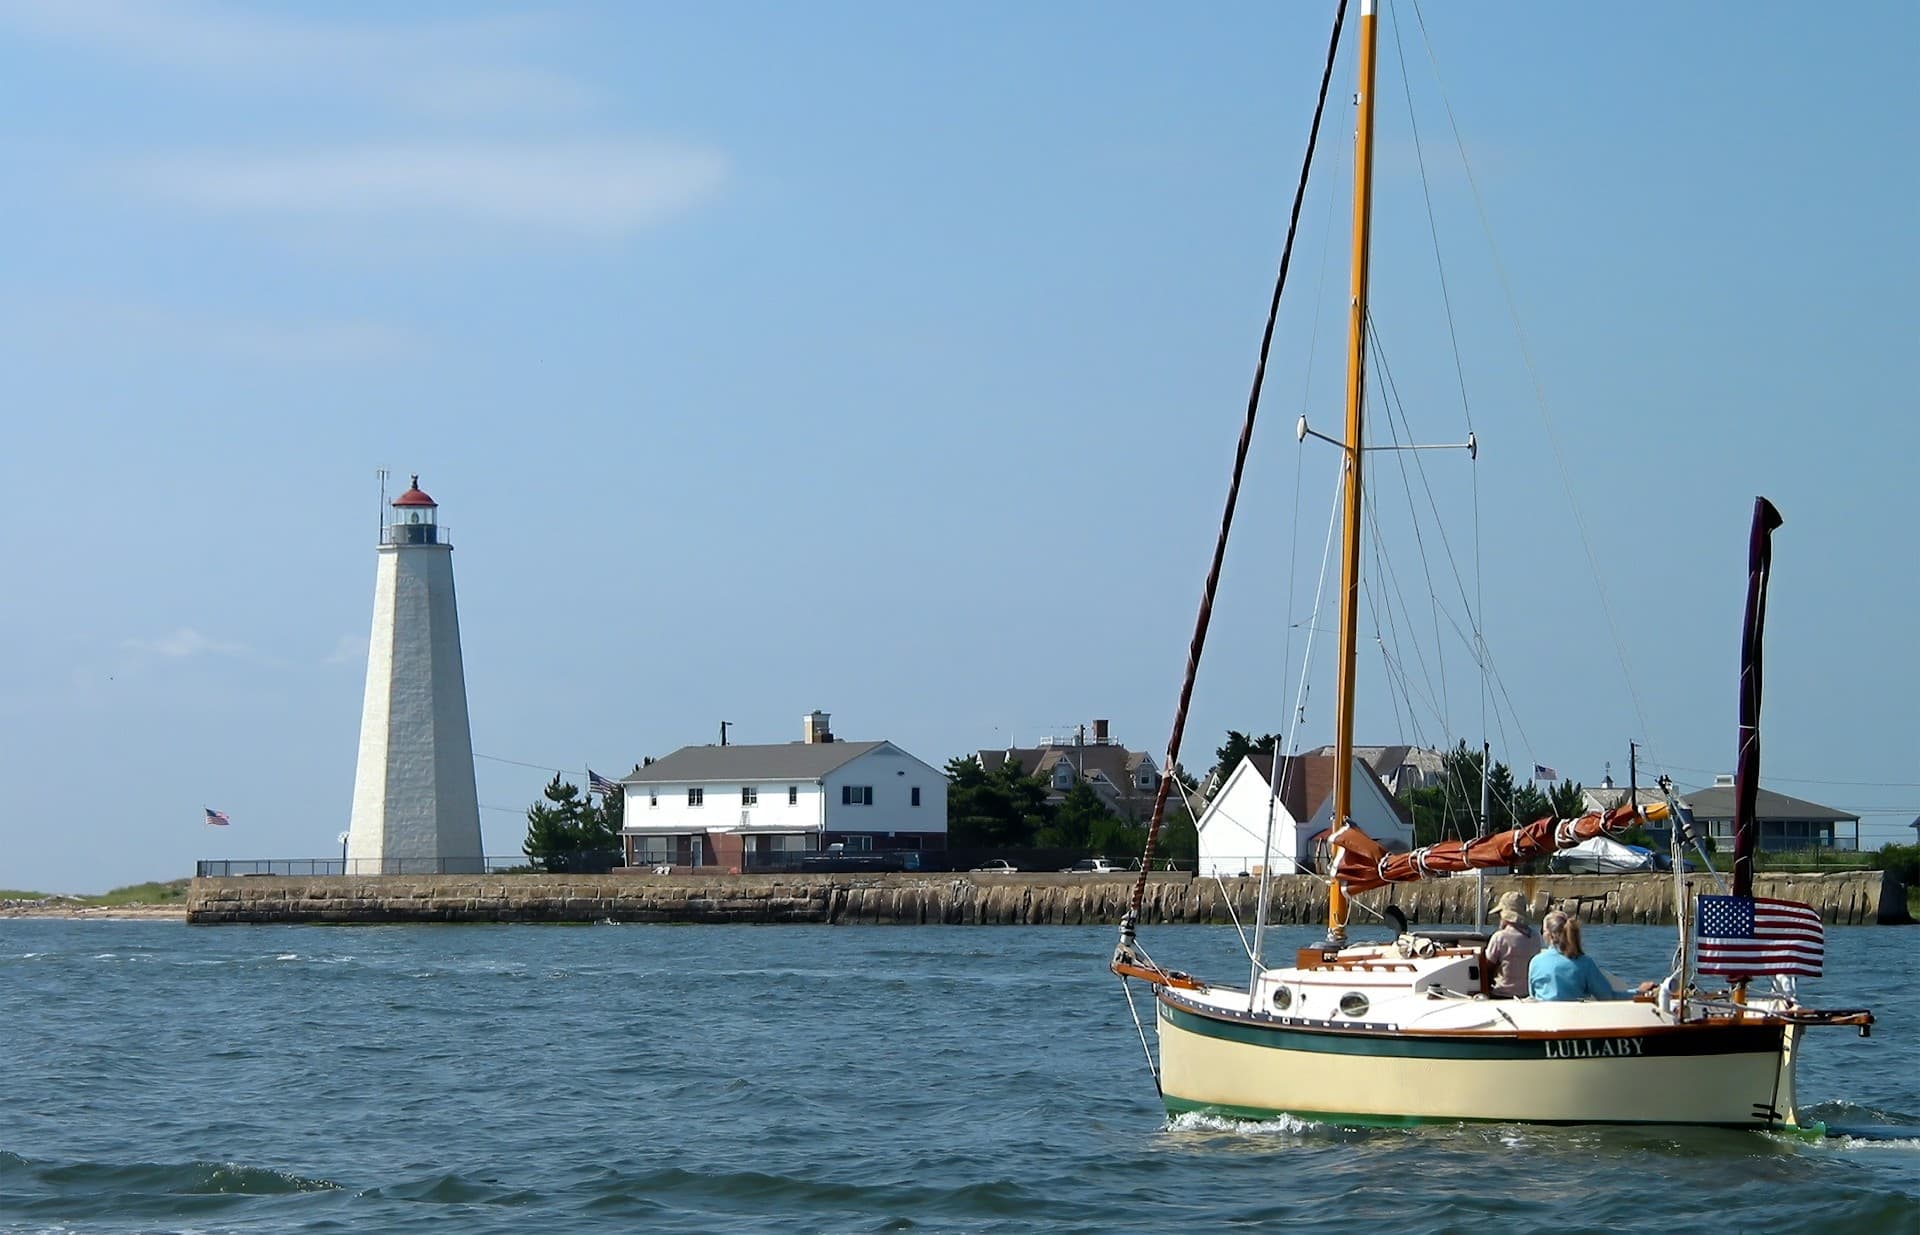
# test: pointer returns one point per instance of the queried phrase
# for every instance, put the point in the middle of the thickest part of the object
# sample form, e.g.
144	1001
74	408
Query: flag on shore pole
1746	936
1542	772
216	818
597	783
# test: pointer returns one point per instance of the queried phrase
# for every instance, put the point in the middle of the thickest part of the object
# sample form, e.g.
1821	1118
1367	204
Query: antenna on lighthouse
380	530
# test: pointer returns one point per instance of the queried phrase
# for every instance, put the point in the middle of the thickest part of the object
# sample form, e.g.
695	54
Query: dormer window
1062	775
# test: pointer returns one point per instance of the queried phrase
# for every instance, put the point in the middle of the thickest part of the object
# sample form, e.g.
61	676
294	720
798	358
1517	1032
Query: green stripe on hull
1705	1040
1180	1106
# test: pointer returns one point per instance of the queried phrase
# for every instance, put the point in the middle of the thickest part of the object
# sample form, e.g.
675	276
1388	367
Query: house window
696	796
653	797
856	795
793	795
749	795
1062	775
916	795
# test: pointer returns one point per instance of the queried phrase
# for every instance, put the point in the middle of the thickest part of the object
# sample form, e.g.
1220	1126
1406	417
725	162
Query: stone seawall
1843	898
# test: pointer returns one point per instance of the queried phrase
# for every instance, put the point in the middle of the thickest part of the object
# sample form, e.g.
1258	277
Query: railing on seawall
302	868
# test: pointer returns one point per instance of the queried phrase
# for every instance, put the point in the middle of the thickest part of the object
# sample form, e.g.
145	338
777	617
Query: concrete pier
1843	898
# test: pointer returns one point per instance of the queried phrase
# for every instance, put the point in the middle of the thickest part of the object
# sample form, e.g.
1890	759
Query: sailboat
1405	1029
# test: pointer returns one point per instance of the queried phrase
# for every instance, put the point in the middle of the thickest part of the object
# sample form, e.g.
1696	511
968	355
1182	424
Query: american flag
597	783
1744	936
1542	772
216	818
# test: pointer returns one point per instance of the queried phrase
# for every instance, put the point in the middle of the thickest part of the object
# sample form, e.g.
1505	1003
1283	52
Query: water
157	1077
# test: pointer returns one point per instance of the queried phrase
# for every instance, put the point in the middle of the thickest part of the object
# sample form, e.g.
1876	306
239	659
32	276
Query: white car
999	866
1092	866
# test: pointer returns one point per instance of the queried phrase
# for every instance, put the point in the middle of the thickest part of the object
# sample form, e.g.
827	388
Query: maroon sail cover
1363	865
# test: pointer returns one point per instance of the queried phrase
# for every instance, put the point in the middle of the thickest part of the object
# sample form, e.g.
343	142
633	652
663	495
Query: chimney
813	728
1099	733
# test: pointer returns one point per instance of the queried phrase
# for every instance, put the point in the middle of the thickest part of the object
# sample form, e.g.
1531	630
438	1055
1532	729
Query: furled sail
1361	864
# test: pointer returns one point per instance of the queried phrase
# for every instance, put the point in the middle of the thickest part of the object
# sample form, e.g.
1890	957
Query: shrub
1902	860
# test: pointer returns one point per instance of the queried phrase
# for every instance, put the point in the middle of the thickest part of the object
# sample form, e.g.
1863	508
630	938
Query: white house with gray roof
726	806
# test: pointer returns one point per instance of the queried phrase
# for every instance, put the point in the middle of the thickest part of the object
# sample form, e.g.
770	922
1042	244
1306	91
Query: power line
1808	780
538	767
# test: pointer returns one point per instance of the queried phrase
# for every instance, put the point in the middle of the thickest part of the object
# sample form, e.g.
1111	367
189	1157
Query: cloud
593	187
350	650
184	643
461	66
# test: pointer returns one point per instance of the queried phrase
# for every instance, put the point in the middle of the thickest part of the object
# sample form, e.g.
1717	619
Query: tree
565	831
1001	808
1451	808
1079	820
1237	747
1568	800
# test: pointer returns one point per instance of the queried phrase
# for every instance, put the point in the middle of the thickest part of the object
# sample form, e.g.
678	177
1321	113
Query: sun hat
1513	908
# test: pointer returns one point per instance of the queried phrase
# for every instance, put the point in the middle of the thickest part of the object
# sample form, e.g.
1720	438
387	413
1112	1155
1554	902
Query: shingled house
1125	780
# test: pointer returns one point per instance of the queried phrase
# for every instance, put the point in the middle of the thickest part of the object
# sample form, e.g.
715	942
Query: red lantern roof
414	496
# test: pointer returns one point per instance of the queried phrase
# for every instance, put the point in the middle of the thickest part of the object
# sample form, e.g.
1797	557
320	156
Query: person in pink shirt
1511	949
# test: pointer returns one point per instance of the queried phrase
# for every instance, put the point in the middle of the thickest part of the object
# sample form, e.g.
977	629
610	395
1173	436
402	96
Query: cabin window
1353	1003
1282	999
696	796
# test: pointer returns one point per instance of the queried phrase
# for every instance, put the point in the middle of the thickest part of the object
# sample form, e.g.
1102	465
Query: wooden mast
1356	389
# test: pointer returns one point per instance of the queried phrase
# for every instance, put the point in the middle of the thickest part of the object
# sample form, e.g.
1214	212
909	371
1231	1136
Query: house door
698	843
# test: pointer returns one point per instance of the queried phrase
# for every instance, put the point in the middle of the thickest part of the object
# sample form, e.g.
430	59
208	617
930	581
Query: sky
888	360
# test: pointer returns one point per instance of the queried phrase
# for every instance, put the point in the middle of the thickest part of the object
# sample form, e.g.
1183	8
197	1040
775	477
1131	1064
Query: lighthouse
415	811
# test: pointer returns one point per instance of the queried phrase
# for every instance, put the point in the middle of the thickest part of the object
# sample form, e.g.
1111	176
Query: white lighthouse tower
415	811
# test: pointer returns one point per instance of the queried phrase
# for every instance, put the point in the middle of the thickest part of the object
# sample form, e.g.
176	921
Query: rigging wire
1540	396
1478	642
1394	404
1239	469
1477	614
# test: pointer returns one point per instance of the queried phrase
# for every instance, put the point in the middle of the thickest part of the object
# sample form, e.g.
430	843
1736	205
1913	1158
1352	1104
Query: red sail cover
1362	865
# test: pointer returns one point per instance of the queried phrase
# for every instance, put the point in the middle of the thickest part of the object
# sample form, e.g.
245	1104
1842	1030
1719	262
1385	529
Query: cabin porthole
1353	1003
1282	999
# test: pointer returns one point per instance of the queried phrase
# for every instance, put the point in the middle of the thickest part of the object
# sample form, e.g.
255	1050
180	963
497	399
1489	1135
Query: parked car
999	866
1092	866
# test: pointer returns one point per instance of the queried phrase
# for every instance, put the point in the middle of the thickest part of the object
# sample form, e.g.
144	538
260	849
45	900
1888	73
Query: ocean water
157	1077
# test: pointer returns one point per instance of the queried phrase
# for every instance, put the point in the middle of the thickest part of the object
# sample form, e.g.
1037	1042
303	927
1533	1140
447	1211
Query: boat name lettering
1594	1048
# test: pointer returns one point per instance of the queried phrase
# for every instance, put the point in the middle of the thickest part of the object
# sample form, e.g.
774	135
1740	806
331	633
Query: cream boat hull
1250	1066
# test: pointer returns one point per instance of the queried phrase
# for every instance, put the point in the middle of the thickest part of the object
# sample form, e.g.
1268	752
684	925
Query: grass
133	894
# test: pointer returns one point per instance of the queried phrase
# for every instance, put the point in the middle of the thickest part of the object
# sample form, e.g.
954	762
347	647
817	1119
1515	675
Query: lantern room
414	520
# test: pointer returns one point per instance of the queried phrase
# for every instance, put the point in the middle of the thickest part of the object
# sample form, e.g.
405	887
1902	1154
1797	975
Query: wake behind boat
1408	1029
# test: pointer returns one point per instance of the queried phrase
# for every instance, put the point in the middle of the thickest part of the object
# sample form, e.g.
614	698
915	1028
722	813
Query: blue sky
888	359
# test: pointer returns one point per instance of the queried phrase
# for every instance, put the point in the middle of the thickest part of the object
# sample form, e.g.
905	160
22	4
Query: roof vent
1723	781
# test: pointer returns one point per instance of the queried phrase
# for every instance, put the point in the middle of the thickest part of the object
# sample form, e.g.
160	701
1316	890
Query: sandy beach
56	908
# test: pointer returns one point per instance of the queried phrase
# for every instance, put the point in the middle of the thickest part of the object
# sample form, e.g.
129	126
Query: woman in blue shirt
1563	970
